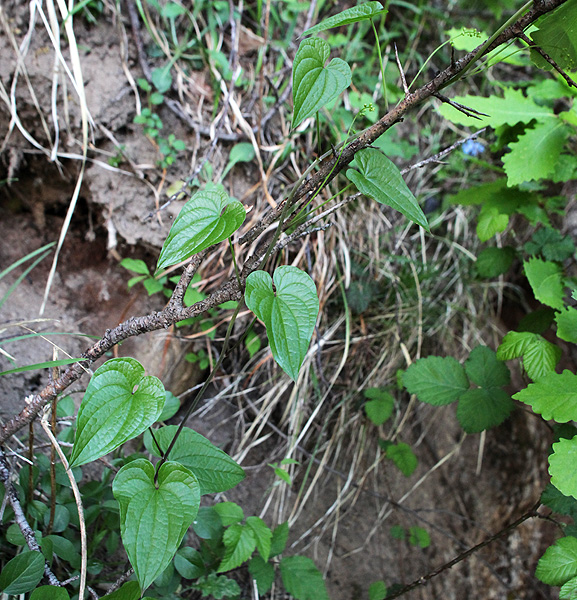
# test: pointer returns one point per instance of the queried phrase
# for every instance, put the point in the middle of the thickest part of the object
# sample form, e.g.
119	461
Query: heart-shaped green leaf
214	469
154	518
361	12
209	217
289	311
380	179
119	404
315	85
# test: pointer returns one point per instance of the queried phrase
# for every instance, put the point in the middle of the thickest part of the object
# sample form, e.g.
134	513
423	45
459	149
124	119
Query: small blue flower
473	148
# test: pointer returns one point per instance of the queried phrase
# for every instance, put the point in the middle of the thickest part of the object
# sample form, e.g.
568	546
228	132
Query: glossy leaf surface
315	85
209	217
554	396
355	14
154	518
119	404
381	180
289	312
214	469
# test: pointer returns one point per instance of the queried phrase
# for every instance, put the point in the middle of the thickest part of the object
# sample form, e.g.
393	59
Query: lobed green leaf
484	369
554	396
263	573
536	153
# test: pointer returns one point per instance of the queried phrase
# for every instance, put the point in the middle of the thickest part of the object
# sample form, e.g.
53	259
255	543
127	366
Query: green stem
487	44
383	83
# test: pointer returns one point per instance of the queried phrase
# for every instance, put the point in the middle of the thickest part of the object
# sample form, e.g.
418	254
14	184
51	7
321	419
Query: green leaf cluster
439	381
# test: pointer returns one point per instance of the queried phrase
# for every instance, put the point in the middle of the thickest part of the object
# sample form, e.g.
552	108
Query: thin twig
437	157
20	517
83	546
546	57
403	80
231	289
466	110
464	555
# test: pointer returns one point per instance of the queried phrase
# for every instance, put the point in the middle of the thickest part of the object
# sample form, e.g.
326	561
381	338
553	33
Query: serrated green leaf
550	244
289	311
154	518
513	108
490	222
484	369
315	85
356	14
436	380
119	404
377	590
492	262
568	590
540	357
214	469
546	280
559	563
239	544
263	573
302	579
554	396
535	154
279	539
217	586
229	513
567	324
380	407
559	502
556	34
482	408
209	217
381	180
403	457
23	573
135	265
419	537
262	534
562	466
52	592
